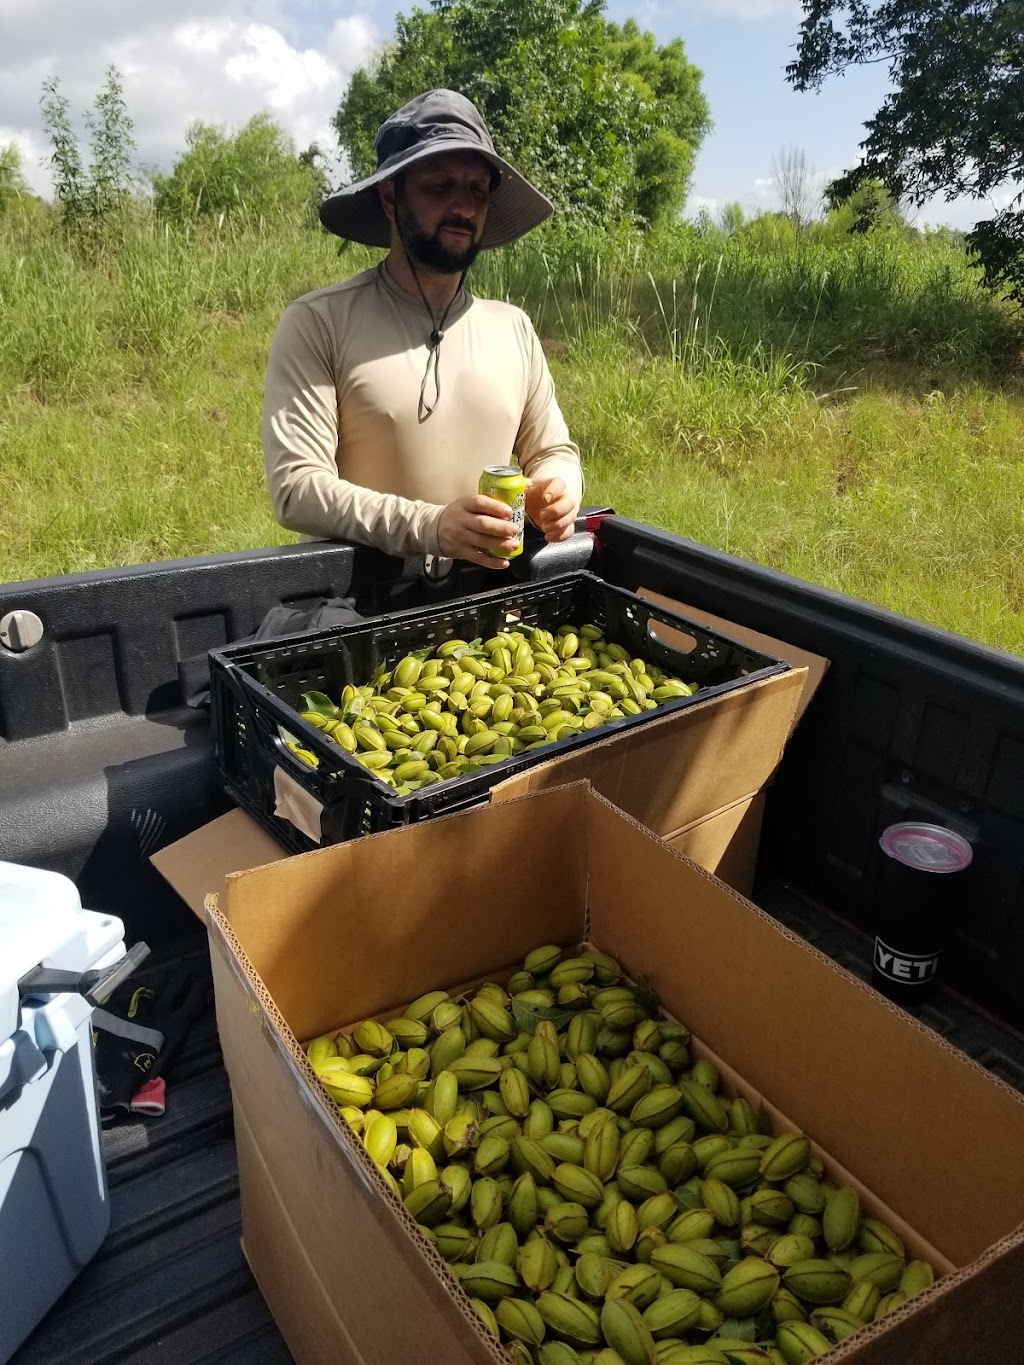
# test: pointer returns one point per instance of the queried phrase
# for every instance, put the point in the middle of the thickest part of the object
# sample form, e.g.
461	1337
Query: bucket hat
435	122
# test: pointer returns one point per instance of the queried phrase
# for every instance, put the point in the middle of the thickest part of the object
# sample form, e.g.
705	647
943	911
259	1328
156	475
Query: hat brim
515	207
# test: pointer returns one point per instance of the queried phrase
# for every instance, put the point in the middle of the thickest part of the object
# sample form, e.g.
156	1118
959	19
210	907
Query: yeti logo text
903	967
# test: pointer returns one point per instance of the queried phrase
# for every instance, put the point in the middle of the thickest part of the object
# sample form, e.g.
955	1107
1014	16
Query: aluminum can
506	483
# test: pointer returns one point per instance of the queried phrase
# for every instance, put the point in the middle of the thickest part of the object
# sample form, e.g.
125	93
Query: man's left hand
551	509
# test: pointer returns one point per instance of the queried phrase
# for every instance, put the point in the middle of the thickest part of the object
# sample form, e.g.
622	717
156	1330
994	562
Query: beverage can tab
927	848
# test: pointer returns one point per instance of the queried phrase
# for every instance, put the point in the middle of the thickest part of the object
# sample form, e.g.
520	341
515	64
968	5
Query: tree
663	166
110	170
954	122
253	173
731	218
870	208
794	180
315	161
90	196
69	181
603	120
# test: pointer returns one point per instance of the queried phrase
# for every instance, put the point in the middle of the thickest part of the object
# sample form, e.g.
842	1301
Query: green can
506	483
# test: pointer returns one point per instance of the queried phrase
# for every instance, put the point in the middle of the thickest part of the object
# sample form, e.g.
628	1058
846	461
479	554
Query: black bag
138	1030
194	672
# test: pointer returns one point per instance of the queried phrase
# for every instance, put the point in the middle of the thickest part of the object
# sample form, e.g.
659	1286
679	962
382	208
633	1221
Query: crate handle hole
288	759
669	635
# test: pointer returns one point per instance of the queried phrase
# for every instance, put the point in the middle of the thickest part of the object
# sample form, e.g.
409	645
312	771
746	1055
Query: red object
149	1098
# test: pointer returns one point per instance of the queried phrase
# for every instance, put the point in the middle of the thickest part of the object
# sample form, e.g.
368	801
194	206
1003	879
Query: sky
224	60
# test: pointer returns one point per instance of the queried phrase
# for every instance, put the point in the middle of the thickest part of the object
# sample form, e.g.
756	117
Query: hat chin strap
425	409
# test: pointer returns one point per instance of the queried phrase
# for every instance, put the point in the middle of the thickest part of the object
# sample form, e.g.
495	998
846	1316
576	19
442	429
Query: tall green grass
849	410
849	305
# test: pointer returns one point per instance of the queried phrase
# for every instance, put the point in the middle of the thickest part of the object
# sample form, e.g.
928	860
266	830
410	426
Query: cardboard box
322	940
197	864
697	778
726	842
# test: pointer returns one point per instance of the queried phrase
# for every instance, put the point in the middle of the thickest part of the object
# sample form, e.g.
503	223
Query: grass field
850	411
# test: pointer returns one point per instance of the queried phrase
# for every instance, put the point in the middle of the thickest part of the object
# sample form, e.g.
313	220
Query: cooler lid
41	923
928	848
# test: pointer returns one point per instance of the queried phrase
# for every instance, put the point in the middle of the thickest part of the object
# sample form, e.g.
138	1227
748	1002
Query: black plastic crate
256	690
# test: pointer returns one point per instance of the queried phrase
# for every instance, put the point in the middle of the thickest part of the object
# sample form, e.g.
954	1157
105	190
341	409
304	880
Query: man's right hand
470	527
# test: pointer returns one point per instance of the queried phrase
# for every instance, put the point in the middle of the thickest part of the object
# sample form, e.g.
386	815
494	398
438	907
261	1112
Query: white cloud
696	203
220	61
351	41
204	40
290	78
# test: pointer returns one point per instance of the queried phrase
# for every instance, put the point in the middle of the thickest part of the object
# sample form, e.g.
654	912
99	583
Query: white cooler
54	1211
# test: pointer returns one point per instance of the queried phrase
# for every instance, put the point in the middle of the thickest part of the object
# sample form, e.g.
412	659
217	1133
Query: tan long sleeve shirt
346	454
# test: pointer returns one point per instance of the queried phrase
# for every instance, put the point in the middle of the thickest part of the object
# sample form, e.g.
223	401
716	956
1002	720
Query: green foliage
774	233
13	186
731	218
843	407
110	171
663	164
603	120
253	173
90	197
870	208
69	181
954	122
314	159
844	303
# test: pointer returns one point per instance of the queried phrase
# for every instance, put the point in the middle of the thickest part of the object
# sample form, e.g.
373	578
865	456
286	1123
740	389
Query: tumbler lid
929	848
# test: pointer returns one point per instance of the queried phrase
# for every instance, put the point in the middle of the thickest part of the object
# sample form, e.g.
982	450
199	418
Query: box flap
289	915
682	767
197	864
725	842
799	658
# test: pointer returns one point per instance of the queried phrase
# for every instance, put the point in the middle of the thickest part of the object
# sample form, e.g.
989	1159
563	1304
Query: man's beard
427	248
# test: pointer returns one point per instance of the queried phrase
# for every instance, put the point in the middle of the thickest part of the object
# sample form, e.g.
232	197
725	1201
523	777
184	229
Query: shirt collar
461	302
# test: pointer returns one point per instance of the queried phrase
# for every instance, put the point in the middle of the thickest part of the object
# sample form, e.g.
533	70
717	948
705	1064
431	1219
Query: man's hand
471	527
551	509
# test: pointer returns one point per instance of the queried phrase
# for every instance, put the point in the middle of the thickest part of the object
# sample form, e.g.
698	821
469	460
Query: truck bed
102	763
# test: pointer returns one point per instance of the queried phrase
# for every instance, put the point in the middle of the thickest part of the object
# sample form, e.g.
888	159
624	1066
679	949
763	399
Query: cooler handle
94	985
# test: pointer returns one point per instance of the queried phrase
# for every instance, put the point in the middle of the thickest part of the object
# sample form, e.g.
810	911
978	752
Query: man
386	395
